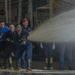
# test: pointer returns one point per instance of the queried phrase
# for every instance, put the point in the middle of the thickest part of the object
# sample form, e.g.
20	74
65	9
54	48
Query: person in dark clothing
3	29
25	25
9	38
66	47
28	52
48	54
21	42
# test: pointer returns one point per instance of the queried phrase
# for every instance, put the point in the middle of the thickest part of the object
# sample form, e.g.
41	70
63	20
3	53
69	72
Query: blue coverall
28	52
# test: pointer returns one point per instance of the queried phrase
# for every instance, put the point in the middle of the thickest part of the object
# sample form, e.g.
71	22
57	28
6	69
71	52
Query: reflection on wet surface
37	72
7	73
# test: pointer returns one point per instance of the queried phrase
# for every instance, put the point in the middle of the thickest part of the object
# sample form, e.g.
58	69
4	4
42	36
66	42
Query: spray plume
58	29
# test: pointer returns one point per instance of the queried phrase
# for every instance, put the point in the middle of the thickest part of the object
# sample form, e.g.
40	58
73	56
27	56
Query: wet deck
37	72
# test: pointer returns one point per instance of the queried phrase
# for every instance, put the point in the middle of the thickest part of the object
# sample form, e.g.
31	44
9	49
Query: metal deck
37	72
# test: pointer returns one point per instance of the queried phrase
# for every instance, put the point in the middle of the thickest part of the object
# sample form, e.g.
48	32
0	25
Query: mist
58	29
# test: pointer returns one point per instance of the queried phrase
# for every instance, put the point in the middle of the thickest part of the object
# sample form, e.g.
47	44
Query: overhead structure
51	2
9	11
6	10
20	11
35	10
31	13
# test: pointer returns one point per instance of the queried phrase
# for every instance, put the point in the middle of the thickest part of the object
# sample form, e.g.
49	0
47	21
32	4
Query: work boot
17	68
51	68
3	67
11	68
45	68
28	69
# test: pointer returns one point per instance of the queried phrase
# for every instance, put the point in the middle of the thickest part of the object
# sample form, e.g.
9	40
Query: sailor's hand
8	39
0	36
24	42
30	32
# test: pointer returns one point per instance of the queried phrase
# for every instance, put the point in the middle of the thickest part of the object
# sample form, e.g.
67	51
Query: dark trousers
7	54
2	45
2	49
66	48
27	53
18	54
48	53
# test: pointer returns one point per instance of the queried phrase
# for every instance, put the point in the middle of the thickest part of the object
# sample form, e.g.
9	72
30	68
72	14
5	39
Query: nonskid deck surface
37	72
